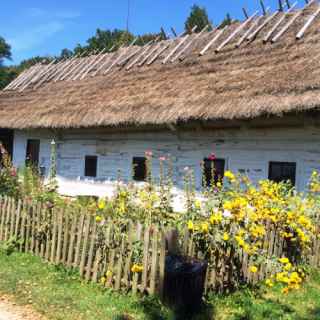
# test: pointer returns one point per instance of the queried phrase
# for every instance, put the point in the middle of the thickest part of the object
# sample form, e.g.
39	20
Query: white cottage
249	93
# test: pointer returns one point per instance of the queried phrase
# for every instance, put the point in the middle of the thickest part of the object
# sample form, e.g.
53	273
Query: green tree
198	17
5	50
65	53
6	74
226	21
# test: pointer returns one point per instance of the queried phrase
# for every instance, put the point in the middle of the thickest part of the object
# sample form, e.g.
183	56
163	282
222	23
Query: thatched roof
257	79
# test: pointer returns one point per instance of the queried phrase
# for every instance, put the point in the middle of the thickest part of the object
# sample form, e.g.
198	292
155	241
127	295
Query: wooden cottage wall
246	150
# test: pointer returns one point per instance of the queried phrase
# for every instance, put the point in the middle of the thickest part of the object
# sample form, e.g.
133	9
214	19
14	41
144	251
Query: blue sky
41	27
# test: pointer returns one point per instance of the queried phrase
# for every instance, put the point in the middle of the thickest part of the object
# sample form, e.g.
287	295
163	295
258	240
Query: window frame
90	157
207	183
293	164
33	162
134	177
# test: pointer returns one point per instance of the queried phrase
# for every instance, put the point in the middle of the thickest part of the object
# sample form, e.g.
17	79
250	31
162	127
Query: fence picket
154	260
90	253
7	223
79	240
16	229
162	261
59	240
54	236
136	275
65	236
37	228
72	240
145	271
85	243
22	227
117	284
4	201
12	218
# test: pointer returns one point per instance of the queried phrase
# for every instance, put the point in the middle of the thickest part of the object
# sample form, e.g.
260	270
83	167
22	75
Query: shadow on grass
153	309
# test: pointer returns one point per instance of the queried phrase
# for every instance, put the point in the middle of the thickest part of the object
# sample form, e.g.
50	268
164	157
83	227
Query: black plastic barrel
184	282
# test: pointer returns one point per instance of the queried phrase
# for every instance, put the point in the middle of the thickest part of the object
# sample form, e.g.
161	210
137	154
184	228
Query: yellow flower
98	218
197	204
288	266
103	280
101	204
225	237
253	269
216	218
205	227
284	260
137	268
269	283
109	274
190	225
228	174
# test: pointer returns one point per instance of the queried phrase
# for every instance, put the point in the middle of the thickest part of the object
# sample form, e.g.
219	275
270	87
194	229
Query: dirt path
11	311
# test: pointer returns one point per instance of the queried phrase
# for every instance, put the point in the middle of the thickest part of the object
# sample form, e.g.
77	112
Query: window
139	168
90	166
32	153
282	171
212	167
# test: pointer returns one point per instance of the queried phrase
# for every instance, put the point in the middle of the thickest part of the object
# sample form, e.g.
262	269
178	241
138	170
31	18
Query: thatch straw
238	83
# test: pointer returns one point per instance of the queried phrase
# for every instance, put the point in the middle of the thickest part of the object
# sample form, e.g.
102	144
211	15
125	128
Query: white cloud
35	36
40	26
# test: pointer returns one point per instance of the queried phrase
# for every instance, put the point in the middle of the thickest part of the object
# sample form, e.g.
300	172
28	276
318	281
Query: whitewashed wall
247	150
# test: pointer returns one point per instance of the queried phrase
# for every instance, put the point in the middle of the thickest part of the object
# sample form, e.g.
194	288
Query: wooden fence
74	238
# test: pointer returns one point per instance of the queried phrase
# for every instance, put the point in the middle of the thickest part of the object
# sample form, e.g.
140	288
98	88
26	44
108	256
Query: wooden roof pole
21	78
173	51
245	35
69	63
18	78
58	67
174	32
78	63
125	59
188	45
46	70
51	74
235	32
213	40
290	22
84	65
144	50
263	7
87	67
95	64
277	24
286	27
30	80
245	13
102	65
155	48
307	24
158	53
37	67
255	32
30	76
124	51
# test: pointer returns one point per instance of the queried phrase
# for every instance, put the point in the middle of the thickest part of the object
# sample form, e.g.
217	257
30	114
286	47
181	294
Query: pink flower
162	158
148	153
186	168
212	157
13	172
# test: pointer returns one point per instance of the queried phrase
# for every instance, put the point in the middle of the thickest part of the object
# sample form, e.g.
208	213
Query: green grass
60	294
